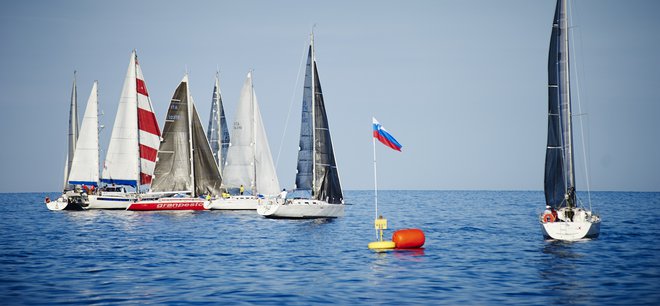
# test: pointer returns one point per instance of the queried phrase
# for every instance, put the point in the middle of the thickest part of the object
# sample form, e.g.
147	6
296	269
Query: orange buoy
410	238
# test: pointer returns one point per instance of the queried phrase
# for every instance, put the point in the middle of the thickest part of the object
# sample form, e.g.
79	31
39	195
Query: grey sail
217	132
306	149
173	171
559	169
207	175
317	170
327	186
73	131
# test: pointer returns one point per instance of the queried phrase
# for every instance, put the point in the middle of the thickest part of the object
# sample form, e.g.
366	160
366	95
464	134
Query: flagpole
375	183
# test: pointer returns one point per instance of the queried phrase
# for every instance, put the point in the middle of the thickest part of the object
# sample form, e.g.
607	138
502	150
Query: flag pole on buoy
380	223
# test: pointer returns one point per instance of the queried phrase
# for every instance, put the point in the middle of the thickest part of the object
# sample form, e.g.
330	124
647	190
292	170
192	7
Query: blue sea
482	248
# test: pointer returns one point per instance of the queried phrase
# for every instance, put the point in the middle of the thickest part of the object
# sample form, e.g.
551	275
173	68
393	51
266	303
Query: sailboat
185	167
249	160
129	162
565	217
84	166
217	132
318	191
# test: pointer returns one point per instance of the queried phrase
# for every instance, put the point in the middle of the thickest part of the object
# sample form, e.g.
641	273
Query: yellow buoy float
381	224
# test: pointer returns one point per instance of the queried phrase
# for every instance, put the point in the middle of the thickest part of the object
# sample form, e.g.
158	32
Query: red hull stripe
147	122
145	179
148	153
183	205
141	87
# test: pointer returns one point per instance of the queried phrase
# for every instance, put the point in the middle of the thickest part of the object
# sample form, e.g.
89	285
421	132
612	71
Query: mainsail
73	131
183	138
85	165
317	169
559	169
217	132
249	160
135	136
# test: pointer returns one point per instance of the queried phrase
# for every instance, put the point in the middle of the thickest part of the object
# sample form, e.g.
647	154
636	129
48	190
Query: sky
462	84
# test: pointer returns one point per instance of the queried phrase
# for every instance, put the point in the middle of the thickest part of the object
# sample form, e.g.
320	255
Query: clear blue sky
461	84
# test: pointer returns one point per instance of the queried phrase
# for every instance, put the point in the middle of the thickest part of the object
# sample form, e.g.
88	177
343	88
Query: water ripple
482	247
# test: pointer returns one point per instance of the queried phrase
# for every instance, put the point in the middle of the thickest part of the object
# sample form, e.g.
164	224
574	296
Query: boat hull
300	209
64	204
236	203
570	231
111	201
169	204
584	224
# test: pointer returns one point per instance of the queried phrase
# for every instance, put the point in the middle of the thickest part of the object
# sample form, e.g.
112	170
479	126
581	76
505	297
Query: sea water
482	247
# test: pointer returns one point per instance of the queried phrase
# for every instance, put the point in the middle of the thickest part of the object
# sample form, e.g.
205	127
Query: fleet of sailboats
564	218
318	191
188	169
249	161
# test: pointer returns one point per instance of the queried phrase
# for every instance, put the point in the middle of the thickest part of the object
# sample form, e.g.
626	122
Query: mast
190	137
254	136
311	44
566	109
137	125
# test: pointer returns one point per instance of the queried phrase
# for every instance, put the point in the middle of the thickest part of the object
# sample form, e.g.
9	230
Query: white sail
249	161
121	164
73	131
135	136
267	182
85	164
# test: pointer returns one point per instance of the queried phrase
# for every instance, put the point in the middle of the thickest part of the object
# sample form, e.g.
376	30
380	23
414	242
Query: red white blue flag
384	136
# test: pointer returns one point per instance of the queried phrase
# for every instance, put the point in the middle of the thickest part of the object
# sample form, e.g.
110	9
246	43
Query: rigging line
579	100
288	114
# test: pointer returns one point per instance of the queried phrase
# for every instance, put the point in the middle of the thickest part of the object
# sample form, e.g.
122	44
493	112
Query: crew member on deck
547	210
283	195
241	190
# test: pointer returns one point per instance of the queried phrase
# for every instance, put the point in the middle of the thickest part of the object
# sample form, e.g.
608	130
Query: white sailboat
131	157
217	132
84	166
249	160
185	167
318	191
565	217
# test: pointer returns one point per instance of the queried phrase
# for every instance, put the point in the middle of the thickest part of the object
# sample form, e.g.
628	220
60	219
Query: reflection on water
561	268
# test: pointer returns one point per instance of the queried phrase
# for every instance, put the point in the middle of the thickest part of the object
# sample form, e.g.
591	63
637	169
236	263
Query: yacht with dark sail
565	217
318	191
186	174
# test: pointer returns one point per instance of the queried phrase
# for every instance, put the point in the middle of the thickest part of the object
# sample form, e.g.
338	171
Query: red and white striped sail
135	136
149	137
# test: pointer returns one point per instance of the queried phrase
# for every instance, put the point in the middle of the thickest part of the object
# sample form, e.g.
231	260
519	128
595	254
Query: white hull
583	225
59	204
111	201
236	203
301	208
68	201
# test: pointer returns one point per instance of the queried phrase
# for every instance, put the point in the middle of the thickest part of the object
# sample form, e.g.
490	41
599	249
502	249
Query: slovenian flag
384	136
